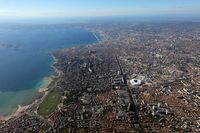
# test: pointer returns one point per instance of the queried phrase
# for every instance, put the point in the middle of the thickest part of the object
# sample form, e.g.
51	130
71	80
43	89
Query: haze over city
77	8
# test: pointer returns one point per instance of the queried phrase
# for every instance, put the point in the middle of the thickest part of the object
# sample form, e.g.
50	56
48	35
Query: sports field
50	103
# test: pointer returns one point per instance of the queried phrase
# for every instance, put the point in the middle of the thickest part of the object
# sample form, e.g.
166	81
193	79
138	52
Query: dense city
137	78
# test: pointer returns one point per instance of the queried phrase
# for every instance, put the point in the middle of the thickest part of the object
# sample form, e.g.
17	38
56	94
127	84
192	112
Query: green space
50	103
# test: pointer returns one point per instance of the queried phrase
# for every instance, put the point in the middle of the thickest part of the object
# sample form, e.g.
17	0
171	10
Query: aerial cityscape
101	75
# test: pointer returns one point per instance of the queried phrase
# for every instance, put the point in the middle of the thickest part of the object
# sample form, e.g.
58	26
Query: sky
76	8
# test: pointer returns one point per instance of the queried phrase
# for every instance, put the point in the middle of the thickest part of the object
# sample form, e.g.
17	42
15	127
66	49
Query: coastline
44	90
98	36
41	90
18	112
55	61
94	34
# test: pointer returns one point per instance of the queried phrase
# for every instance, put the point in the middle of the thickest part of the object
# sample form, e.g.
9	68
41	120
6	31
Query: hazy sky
62	8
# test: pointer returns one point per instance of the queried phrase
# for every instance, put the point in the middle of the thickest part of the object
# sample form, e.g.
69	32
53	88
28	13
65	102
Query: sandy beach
45	88
21	109
30	94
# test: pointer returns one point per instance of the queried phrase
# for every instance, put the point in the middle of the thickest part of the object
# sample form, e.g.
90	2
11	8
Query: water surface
25	60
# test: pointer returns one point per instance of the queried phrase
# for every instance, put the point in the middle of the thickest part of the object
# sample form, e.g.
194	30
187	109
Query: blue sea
25	60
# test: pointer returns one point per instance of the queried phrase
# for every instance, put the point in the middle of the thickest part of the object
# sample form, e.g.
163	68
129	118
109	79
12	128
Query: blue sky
63	8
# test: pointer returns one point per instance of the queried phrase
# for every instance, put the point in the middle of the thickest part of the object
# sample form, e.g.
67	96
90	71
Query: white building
136	82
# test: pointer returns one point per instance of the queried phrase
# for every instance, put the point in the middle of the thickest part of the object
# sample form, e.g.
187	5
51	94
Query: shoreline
17	113
98	36
41	90
94	34
55	61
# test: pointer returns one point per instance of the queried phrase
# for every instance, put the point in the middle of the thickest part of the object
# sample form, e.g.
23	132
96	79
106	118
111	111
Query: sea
25	61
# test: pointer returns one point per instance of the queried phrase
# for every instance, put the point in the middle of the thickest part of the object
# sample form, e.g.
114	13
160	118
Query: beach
32	68
44	90
20	110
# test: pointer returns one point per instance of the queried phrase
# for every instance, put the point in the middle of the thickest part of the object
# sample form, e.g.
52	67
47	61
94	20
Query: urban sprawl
138	78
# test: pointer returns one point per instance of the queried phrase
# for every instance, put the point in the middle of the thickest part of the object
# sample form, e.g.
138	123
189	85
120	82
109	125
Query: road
132	101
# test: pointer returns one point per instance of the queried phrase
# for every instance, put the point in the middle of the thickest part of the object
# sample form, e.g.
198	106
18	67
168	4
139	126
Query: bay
25	60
